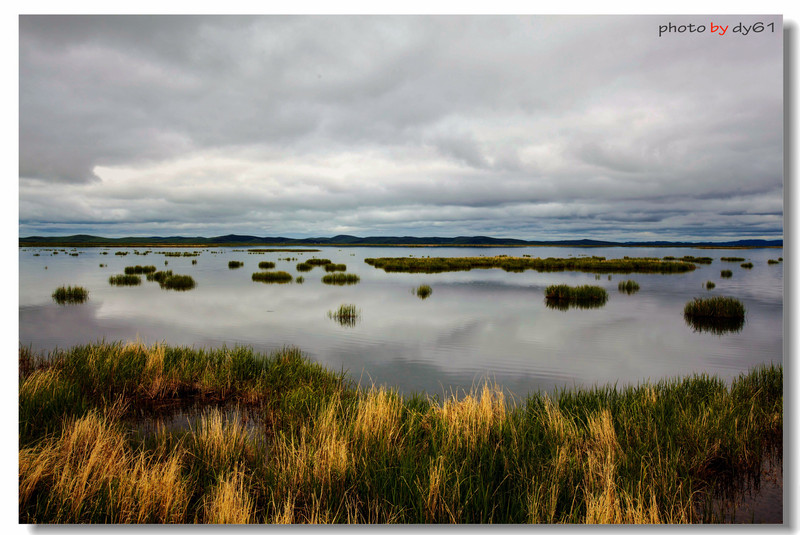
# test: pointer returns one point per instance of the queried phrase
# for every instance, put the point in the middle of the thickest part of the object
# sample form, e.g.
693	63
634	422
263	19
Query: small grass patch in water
235	264
726	273
178	282
279	277
628	286
159	276
732	259
139	270
125	280
341	278
71	295
335	267
266	265
347	315
772	261
718	314
563	296
747	265
710	285
318	261
300	280
304	266
424	291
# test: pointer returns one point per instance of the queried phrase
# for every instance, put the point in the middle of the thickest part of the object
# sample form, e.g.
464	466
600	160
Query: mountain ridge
88	240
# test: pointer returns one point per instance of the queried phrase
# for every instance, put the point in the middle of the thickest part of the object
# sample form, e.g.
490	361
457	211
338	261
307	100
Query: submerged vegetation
125	280
628	286
718	314
341	278
279	277
595	264
423	291
70	295
347	315
318	449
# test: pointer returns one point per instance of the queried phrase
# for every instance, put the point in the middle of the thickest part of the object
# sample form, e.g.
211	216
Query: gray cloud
513	126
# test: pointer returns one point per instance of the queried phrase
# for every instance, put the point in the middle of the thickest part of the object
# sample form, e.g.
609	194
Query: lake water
479	324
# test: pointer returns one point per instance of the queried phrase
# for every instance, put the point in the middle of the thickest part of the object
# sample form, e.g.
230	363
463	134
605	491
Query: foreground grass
324	450
593	264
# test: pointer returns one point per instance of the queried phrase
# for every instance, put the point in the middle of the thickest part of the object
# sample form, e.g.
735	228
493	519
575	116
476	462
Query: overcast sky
523	127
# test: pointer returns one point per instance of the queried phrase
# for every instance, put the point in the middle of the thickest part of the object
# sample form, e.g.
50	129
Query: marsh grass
628	286
300	280
303	266
280	277
159	276
595	264
718	314
125	280
346	315
423	291
178	282
747	265
732	259
318	261
726	273
266	265
341	278
139	270
335	267
710	285
70	295
772	261
563	296
235	264
332	452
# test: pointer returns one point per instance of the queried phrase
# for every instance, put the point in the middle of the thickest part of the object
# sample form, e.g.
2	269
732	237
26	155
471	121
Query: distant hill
85	240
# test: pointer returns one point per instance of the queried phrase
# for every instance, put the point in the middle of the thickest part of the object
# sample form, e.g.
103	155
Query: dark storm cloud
514	126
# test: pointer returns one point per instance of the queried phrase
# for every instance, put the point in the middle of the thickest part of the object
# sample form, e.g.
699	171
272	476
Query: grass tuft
424	291
266	265
628	286
747	265
347	315
280	277
70	295
715	314
139	270
726	273
710	285
341	278
563	296
235	264
125	280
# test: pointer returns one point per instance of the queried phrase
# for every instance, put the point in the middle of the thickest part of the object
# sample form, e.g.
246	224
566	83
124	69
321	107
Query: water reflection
718	326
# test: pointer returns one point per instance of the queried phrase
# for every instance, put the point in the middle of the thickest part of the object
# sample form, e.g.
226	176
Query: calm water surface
477	324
